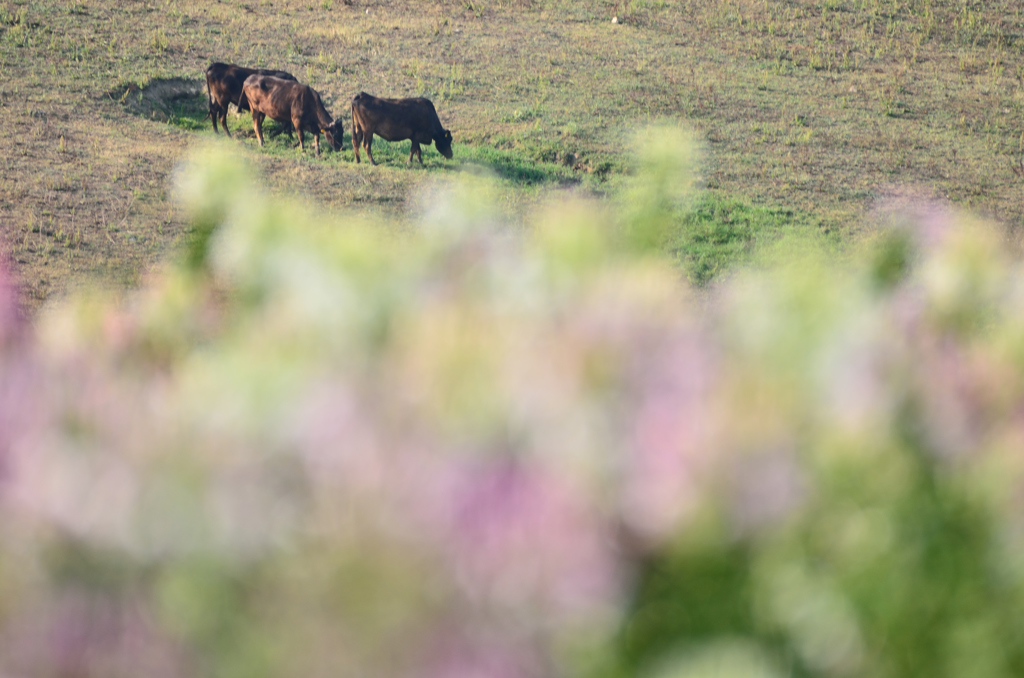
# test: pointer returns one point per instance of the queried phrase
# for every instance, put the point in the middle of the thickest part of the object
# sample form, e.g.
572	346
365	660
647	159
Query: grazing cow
224	86
288	101
397	120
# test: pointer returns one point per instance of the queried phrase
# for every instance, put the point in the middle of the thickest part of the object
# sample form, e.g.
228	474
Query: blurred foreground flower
312	448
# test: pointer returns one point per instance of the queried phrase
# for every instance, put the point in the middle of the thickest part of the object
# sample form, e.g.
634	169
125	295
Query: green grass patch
517	167
720	232
189	113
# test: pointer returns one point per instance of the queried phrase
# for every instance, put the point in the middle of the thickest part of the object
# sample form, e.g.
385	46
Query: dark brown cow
397	120
288	101
224	86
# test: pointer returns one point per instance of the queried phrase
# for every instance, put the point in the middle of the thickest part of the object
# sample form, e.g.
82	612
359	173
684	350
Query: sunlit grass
822	109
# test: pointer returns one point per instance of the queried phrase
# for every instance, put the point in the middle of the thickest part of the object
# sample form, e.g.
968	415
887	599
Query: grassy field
813	112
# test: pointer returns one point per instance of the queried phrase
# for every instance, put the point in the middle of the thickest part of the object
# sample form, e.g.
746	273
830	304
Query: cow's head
443	142
335	133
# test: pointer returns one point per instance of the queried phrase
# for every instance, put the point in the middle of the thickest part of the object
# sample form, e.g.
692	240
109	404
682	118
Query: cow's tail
242	97
354	142
209	97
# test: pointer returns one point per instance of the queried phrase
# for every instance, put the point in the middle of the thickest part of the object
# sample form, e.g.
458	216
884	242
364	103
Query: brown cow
397	120
224	86
288	101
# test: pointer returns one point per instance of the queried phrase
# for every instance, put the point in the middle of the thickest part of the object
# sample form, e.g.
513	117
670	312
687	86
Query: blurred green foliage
312	447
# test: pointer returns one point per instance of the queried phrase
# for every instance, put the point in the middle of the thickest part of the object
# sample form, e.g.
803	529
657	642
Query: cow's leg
296	122
368	145
357	139
214	112
316	143
223	115
414	148
257	124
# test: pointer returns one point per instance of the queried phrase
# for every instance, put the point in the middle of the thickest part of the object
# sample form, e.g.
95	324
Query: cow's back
280	99
281	75
396	118
225	82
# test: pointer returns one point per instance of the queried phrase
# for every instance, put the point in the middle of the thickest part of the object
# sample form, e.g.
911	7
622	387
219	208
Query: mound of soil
164	99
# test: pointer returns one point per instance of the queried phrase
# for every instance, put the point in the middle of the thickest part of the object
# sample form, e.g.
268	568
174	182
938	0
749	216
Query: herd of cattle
279	96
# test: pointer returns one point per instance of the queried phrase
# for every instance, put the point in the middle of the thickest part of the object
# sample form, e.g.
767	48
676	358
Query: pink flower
520	538
478	652
766	488
84	633
669	440
11	317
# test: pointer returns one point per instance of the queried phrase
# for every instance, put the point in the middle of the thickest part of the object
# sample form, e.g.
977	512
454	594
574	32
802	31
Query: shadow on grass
184	104
507	165
180	102
517	168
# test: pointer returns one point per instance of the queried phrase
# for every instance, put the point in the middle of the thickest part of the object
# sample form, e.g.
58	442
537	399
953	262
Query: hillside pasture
816	109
